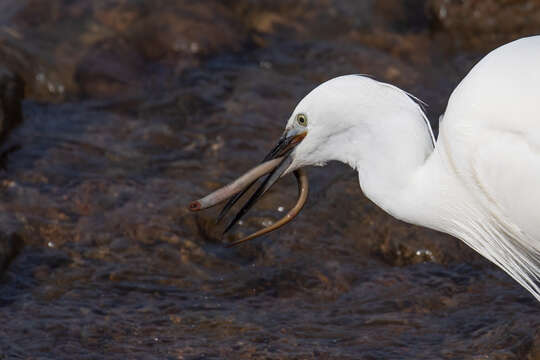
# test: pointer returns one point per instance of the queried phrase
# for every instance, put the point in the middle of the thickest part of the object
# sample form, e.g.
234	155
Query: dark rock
10	246
11	94
403	17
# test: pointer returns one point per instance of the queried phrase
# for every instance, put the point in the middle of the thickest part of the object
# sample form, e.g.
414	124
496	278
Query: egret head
327	117
316	132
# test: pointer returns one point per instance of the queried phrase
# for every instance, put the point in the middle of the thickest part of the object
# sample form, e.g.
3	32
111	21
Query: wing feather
506	171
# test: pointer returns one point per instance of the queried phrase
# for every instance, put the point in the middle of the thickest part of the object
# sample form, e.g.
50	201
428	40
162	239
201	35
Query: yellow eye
301	119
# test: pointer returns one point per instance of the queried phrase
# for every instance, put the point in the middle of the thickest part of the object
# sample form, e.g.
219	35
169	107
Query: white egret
480	181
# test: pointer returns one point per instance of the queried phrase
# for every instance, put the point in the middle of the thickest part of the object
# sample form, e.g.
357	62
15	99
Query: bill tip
195	206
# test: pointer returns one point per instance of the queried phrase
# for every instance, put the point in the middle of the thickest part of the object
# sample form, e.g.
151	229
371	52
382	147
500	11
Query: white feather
481	180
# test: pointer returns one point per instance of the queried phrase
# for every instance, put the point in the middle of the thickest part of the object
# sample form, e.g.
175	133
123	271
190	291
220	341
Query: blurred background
114	114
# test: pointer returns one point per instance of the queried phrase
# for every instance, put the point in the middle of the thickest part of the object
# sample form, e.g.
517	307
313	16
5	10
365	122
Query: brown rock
483	25
110	68
189	30
119	16
71	48
534	353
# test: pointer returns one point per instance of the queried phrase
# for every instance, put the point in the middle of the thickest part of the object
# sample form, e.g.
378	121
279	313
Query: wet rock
72	48
401	17
36	44
400	244
483	25
323	19
110	68
187	29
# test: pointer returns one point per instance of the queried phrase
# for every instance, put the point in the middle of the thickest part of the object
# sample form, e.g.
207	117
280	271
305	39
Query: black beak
284	147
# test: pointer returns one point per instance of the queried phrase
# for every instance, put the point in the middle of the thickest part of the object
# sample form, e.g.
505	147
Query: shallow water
115	266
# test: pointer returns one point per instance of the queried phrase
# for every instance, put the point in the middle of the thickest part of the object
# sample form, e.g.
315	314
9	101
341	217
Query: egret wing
506	170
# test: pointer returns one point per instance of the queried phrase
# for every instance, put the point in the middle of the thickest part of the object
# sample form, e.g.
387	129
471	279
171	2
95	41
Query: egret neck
382	132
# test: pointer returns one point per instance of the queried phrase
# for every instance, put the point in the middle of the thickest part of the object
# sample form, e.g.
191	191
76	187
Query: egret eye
301	119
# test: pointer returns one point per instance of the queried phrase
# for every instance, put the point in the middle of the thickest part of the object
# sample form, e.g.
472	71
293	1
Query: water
114	265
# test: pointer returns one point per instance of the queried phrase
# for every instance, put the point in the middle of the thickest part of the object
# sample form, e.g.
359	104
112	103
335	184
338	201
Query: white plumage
481	180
